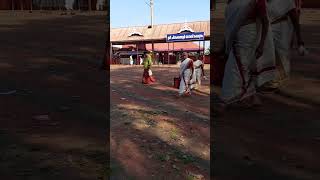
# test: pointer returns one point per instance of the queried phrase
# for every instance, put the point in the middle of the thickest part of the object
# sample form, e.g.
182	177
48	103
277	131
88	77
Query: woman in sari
186	73
147	77
284	17
245	35
198	73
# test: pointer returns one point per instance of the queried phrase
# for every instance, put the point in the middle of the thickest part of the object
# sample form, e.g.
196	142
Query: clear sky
124	13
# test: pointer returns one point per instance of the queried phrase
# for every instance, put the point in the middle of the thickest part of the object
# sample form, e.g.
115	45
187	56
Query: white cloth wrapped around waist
279	8
197	64
235	14
185	81
237	81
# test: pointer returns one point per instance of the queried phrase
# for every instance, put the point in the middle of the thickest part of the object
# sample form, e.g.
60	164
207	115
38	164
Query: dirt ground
280	140
154	134
53	125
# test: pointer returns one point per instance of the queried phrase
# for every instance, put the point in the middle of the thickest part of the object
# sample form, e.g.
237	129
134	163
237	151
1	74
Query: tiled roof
158	32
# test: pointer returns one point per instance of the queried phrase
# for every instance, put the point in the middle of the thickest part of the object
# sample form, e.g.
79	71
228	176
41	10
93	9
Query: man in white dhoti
245	35
284	22
131	60
186	73
198	73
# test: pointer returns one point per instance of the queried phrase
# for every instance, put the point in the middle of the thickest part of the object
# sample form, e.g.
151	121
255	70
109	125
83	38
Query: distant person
177	57
284	18
131	60
186	72
198	72
202	67
140	60
180	57
160	58
135	60
118	58
147	77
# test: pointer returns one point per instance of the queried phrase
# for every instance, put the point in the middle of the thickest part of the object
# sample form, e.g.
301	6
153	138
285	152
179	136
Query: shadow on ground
54	125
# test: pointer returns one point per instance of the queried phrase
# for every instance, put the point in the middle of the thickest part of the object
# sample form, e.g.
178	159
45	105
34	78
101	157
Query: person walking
244	44
186	73
147	77
198	73
131	60
284	18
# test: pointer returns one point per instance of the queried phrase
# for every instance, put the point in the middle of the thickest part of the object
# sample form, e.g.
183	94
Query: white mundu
241	44
185	75
282	33
197	74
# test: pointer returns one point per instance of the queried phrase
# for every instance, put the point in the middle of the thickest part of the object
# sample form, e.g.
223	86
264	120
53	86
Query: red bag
176	82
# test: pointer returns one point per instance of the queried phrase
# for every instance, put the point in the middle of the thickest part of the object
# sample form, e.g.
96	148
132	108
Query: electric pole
151	25
151	7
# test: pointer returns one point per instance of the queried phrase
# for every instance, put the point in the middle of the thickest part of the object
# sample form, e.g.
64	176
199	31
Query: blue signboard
195	36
